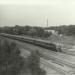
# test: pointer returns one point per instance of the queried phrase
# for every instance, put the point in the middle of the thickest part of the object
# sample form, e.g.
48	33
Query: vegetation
26	30
67	30
12	63
38	31
34	63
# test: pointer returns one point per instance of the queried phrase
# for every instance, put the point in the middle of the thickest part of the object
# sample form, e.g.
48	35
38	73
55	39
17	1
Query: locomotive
38	42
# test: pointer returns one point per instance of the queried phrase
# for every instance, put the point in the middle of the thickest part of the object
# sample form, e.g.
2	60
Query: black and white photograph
37	37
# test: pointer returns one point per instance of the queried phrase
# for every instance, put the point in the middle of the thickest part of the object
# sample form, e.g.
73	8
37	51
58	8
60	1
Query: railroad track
54	57
54	67
49	64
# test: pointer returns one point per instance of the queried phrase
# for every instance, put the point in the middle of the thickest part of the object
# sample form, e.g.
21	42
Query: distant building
52	31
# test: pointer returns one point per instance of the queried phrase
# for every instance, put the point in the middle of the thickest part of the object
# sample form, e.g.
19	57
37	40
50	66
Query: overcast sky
36	12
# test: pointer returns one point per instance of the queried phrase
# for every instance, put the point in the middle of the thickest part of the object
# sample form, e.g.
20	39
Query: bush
10	60
34	63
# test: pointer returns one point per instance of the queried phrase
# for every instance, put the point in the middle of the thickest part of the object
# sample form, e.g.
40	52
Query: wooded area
26	30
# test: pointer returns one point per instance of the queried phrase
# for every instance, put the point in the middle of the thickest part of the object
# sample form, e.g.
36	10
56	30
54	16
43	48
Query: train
38	42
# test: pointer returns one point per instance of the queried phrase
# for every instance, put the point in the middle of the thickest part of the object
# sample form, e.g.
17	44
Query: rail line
59	60
49	64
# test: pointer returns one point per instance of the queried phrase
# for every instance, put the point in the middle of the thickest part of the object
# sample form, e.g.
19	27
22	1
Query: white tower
47	22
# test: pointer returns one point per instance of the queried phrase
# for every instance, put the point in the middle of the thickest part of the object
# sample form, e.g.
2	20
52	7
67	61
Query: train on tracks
42	43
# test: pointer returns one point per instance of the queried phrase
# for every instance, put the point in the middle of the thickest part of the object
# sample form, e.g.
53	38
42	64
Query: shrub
10	60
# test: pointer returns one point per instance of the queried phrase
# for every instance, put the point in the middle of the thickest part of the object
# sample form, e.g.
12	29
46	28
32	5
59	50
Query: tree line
26	30
67	30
